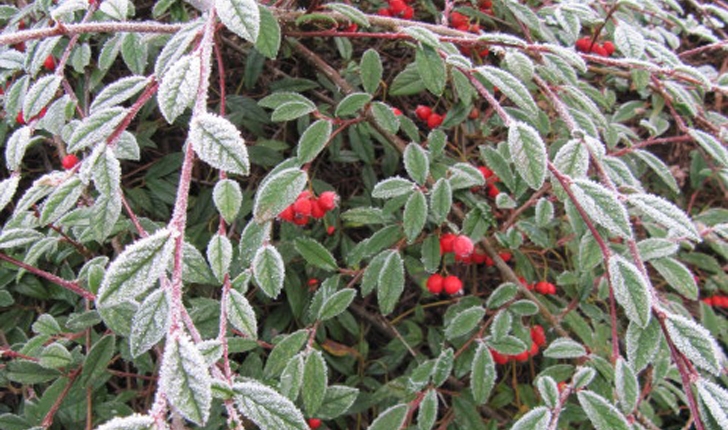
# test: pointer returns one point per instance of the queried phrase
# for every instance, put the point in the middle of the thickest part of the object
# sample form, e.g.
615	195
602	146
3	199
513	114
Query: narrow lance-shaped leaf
97	359
431	68
627	386
602	414
370	69
416	163
392	418
695	341
96	128
415	215
219	143
118	92
631	290
528	152
642	344
390	281
665	213
678	276
15	237
38	96
427	412
8	187
61	200
711	145
315	254
185	381
314	380
131	422
602	206
313	140
482	374
510	86
269	37
536	419
392	187
150	323
267	408
441	200
16	146
336	304
106	173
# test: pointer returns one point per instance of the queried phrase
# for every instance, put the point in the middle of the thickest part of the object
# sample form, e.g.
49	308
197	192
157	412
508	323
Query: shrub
471	215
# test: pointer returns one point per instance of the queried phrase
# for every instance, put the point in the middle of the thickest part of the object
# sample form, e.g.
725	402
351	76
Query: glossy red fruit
522	356
301	220
599	50
313	282
708	301
542	287
330	230
505	256
452	284
384	12
317	212
396	111
288	214
457	19
328	200
446	242
397	7
609	47
434	283
434	120
534	350
478	257
50	63
583	44
493	191
408	13
69	161
351	28
302	207
423	112
20	119
314	423
462	246
538	336
486	172
498	357
561	386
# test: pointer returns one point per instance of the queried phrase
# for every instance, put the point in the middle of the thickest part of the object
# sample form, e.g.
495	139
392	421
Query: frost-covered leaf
652	248
16	146
150	323
370	69
414	216
55	356
537	418
39	94
528	152
602	414
464	322
384	116
642	344
61	200
315	254
104	214
241	315
573	159
15	237
441	200
336	304
427	411
291	378
677	275
631	290
106	172
219	255
352	104
416	163
431	68
269	37
390	281
548	390
228	198
564	347
251	239
443	367
96	128
464	175
628	388
177	46
392	418
8	187
284	351
519	64
602	206
423	35
313	141
659	167
715	399
269	270
665	213
136	268
338	400
118	92
242	17
695	341
178	89
629	41
392	187
131	422
315	377
185	380
711	145
354	14
482	374
219	143
277	192
510	86
268	409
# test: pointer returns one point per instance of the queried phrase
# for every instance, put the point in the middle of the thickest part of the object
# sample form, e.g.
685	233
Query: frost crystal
219	143
666	214
631	290
715	399
179	87
132	422
118	92
185	380
695	341
7	190
269	270
16	146
602	206
267	408
242	17
150	323
536	419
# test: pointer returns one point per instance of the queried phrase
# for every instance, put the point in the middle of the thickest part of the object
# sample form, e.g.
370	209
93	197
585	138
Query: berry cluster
426	114
585	45
308	206
538	339
437	283
465	251
462	22
397	9
490	181
717	301
542	287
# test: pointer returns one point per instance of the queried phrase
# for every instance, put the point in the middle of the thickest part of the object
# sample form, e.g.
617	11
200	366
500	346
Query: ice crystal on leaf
219	143
179	87
242	17
665	213
269	270
150	323
602	206
696	342
131	422
631	290
268	409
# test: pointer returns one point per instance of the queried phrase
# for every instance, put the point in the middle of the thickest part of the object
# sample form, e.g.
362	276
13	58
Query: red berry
69	161
302	207
423	112
452	284
493	191
534	350
384	12
434	120
489	261
583	44
498	357
463	27
288	214
542	287
20	119
434	283
330	230
317	211
312	282
397	7
328	200
21	25
486	172
408	13
457	19
720	301
552	288
462	246
599	50
301	220
561	386
486	4
522	356
609	47
479	257
505	256
314	423
446	243
474	28
538	335
351	28
50	63
396	111
708	301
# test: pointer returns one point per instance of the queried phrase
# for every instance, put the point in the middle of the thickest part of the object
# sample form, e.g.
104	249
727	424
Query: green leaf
16	237
106	172
242	17
659	167
313	141
392	187
528	152
715	399
384	117
602	414
354	14
337	401
228	198
548	390
502	295
269	37
427	412
423	35
416	162
370	69
29	372
136	269
642	344
185	380
537	418
430	252
55	356
40	94
678	276
407	82
278	192
628	40
315	254
652	248
390	281
464	175
219	143
241	315
602	206
118	92
482	374
291	379
443	367
509	345
284	351
251	239
415	215
628	388
95	128
464	322
695	341
269	270
267	408
441	200
336	304
564	347
150	323
292	110
510	87
97	359
665	213
219	255
392	418
631	290
502	324
314	380
352	104
431	68
711	145
178	89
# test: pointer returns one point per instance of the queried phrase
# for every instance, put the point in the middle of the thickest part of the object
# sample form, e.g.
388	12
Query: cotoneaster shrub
412	214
